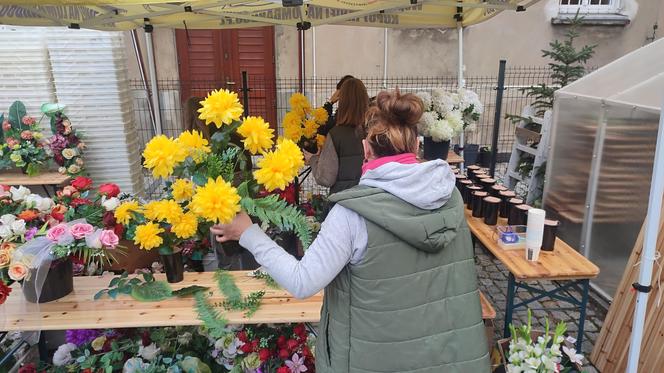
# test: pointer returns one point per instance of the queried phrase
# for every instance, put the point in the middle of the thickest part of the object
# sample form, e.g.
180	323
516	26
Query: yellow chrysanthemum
320	115
124	212
186	226
310	128
292	152
162	154
217	201
293	126
183	189
278	169
257	134
220	107
299	102
195	144
147	236
320	141
165	210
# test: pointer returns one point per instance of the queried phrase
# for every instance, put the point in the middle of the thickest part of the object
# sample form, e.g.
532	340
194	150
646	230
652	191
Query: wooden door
213	59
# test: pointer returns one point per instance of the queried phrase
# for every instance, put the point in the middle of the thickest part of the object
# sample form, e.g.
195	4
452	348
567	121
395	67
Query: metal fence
270	99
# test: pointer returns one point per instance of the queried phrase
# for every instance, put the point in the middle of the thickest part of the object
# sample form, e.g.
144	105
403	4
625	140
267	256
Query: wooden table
52	179
564	267
79	310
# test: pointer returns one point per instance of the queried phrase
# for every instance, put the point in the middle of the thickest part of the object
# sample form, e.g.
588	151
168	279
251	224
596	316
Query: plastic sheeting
602	153
129	14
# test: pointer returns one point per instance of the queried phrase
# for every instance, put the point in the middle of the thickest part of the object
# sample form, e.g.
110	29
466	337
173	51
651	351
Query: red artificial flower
281	341
283	370
58	212
82	183
145	338
300	331
242	336
108	219
86	370
306	352
28	215
109	190
5	188
118	230
292	344
246	348
264	354
4	291
29	368
284	354
80	202
254	344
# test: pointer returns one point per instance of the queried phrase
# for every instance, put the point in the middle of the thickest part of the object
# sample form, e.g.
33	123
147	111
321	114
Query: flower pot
173	267
470	152
484	158
231	248
549	237
435	150
210	262
58	283
134	259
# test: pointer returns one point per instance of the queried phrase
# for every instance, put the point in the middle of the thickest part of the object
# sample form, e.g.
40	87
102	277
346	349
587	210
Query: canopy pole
141	70
649	249
461	84
153	77
385	58
303	69
313	67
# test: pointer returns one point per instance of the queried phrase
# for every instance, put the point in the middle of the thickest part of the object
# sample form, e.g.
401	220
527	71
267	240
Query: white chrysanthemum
426	121
455	118
62	356
447	102
426	99
441	131
468	98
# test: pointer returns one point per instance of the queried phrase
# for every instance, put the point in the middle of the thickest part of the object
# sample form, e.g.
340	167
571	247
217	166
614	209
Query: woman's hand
307	157
234	230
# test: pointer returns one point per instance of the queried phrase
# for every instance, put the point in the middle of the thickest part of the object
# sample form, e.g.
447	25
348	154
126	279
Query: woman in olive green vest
395	259
339	165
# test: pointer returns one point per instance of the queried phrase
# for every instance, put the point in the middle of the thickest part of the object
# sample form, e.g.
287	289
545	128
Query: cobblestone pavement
493	283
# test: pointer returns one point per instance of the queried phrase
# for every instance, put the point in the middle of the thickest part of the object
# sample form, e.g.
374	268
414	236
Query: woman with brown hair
395	258
339	164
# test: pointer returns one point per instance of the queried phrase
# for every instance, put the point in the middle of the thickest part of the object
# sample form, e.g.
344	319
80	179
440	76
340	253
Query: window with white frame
589	6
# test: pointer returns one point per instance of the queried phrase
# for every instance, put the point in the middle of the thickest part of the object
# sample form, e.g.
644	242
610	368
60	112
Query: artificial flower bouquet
65	144
23	144
22	214
209	182
540	352
447	114
301	123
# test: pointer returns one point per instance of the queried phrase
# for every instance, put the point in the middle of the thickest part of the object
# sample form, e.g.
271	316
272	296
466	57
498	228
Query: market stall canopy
205	14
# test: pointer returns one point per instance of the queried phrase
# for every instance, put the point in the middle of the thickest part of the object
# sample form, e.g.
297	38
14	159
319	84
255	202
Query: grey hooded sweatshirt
343	236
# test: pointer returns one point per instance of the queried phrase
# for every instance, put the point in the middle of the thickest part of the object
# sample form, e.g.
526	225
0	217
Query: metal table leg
509	308
585	286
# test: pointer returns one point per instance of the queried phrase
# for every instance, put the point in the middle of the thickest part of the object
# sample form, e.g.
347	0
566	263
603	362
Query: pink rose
109	239
81	230
56	232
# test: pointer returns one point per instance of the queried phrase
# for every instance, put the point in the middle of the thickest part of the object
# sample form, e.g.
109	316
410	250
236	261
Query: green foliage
278	212
153	291
145	290
214	322
227	286
234	300
269	281
16	113
567	66
189	290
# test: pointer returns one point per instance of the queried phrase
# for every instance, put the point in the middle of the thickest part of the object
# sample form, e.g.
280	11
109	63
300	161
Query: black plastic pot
435	150
59	282
484	157
173	266
549	236
470	152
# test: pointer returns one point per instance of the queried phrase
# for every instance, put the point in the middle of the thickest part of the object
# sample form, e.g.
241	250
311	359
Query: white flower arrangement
544	353
11	227
447	114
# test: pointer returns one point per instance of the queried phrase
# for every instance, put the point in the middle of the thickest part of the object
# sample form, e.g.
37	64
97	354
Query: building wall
516	37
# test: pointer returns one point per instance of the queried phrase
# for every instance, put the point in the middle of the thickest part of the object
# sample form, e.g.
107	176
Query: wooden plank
488	312
79	310
45	178
563	263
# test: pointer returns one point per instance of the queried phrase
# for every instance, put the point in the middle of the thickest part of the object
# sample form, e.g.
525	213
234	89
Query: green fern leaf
281	214
152	291
213	321
227	286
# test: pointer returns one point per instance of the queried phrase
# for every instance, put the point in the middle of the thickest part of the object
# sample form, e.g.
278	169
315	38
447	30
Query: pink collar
406	158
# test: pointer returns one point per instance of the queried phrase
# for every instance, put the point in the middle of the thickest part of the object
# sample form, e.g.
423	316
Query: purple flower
296	364
30	233
58	143
80	337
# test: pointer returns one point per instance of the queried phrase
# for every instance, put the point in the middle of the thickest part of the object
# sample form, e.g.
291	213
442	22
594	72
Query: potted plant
538	351
484	158
24	146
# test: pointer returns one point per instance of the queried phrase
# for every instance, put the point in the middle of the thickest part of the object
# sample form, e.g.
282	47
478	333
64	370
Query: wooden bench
488	315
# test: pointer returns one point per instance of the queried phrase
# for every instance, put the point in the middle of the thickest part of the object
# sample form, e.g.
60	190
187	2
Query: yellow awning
130	14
